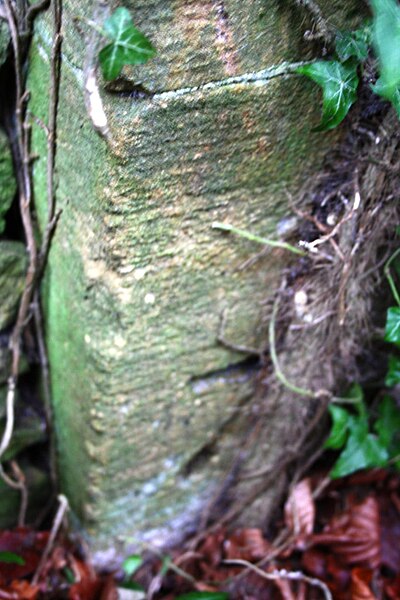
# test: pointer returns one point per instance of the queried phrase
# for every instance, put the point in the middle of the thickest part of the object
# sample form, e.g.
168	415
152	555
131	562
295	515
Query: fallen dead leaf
300	509
246	544
360	585
354	536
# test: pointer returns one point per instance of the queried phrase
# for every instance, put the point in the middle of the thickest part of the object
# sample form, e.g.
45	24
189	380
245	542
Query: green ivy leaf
131	585
356	393
392	329
128	47
393	374
338	436
204	596
387	426
131	564
386	39
362	450
393	96
11	558
353	44
339	84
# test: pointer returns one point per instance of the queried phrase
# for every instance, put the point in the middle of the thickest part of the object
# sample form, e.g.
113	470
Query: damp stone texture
145	398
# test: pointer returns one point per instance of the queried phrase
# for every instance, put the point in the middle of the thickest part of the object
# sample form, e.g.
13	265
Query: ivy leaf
353	44
128	47
11	558
386	39
339	84
387	425
392	95
131	564
392	329
393	374
362	450
338	436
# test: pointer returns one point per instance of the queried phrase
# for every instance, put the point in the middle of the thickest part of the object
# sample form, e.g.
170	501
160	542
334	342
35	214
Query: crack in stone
256	78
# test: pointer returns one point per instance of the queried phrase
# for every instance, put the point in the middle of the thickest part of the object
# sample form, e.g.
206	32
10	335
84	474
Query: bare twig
19	483
283	574
25	197
58	519
20	21
256	238
324	31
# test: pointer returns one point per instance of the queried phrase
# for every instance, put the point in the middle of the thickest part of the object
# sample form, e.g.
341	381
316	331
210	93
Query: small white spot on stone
149	298
149	488
119	341
139	274
125	270
286	225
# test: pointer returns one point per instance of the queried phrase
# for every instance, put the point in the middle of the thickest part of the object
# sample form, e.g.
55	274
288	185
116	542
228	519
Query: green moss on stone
13	264
7	179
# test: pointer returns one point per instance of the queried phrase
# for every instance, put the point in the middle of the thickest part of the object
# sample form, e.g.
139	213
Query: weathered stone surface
7	179
138	278
13	264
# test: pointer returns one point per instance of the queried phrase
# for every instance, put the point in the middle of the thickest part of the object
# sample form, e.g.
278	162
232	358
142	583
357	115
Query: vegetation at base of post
339	77
365	444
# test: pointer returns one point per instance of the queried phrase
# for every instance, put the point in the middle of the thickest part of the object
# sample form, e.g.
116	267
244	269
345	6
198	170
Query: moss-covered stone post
146	401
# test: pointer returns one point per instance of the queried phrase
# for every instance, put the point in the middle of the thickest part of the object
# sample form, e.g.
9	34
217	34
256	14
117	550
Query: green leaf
11	558
392	329
338	435
339	84
387	425
131	585
204	596
393	374
166	562
131	564
129	46
386	39
355	393
362	450
392	95
353	44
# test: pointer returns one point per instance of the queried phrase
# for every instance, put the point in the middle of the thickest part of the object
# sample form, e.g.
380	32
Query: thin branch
324	30
256	238
283	574
274	357
33	12
58	519
389	277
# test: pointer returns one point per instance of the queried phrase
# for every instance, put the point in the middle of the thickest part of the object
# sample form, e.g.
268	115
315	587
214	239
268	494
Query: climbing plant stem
390	278
274	357
256	238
